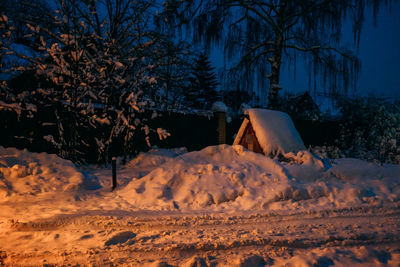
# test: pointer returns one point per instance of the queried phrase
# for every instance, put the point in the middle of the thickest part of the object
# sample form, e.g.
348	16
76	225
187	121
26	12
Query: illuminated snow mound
275	131
232	178
26	173
215	176
154	157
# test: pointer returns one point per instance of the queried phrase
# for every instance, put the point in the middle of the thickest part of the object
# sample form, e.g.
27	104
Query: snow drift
26	173
154	157
217	178
233	178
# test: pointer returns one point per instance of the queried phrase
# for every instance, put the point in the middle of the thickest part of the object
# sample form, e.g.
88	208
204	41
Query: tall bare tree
259	35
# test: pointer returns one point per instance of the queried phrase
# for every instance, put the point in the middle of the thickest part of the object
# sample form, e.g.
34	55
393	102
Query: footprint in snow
84	237
120	238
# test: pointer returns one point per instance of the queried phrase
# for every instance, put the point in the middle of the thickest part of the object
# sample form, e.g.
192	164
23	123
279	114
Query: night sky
379	52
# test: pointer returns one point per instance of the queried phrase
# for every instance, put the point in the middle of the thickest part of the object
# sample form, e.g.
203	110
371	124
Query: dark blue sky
379	52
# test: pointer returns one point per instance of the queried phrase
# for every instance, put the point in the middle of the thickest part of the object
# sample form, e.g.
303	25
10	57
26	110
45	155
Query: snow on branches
100	74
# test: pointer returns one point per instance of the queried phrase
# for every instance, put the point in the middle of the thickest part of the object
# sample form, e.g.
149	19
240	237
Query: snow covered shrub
101	62
370	130
332	152
5	37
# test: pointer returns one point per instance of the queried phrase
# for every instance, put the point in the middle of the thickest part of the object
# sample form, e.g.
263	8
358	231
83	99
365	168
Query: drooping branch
256	30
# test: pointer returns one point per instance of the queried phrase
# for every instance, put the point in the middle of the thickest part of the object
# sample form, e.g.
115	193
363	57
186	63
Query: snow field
342	237
220	206
215	179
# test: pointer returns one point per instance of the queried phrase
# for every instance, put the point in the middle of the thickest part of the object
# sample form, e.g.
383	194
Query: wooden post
114	172
221	127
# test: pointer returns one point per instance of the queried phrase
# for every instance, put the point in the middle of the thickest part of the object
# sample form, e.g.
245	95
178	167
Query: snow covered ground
221	206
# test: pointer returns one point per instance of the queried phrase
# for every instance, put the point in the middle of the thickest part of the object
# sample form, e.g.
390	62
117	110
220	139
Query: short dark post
221	127
114	172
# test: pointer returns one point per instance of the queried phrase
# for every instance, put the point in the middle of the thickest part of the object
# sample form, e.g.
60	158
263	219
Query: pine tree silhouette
202	92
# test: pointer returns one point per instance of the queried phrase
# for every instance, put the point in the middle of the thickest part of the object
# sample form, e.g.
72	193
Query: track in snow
215	239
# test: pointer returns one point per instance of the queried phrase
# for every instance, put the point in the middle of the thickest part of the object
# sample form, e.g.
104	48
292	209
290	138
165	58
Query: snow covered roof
274	130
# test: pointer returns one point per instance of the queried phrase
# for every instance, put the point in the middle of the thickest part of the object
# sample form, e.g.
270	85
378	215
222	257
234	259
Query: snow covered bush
100	71
103	66
5	34
10	101
5	40
332	152
370	130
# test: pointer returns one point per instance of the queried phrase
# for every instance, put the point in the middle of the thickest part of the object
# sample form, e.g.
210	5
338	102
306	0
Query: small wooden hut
268	132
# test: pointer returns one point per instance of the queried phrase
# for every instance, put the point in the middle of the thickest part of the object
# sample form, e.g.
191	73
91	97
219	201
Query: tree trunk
275	62
276	59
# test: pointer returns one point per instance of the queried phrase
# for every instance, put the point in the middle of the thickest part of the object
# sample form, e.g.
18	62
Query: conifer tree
202	92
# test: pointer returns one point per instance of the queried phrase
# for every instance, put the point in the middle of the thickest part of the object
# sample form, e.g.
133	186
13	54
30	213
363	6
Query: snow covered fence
191	130
195	131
